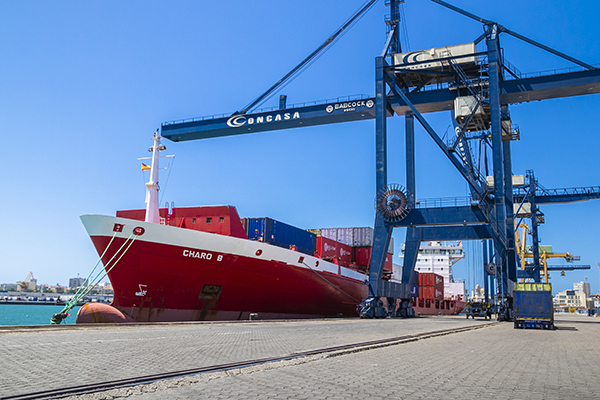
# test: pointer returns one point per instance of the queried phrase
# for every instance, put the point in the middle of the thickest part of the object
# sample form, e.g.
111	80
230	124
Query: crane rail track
343	349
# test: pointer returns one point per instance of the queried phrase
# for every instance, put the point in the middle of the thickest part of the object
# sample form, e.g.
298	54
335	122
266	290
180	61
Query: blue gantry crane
477	86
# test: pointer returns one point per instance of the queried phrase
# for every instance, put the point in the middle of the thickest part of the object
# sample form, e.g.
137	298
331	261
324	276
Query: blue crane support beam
237	124
464	215
511	92
530	273
439	233
567	267
567	195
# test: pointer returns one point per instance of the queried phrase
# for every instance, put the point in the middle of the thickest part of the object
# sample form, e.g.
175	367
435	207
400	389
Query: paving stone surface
496	362
48	358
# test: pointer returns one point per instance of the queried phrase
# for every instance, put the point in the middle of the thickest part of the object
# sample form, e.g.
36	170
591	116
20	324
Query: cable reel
392	203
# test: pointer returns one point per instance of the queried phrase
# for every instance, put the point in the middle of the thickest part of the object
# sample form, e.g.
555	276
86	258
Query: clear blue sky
85	84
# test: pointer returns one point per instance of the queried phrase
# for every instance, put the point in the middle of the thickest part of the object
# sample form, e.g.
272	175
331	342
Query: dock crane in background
528	197
30	283
528	193
477	87
526	272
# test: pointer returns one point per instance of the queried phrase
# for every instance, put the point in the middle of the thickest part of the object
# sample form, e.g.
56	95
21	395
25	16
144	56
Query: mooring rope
84	290
81	288
322	277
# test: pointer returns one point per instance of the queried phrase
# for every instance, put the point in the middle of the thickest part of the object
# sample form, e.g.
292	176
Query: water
37	314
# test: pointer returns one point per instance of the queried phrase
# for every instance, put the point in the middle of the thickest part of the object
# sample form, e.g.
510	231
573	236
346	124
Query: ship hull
438	307
173	274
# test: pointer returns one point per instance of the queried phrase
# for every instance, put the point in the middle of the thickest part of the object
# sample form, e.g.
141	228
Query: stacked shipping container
346	246
359	241
362	256
280	234
431	286
353	237
329	248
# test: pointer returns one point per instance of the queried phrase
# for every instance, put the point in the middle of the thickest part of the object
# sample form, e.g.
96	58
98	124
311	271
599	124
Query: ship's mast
152	214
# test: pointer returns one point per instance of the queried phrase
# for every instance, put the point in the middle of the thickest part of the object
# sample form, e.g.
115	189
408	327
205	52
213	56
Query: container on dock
281	234
532	306
431	279
362	256
332	248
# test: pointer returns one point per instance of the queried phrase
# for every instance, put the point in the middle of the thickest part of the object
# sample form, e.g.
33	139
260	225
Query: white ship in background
438	258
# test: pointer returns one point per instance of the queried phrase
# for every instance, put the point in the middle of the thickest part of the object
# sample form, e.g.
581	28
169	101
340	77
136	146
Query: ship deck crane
409	89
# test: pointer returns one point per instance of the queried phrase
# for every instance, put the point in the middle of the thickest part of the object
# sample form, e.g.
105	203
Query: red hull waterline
169	274
438	307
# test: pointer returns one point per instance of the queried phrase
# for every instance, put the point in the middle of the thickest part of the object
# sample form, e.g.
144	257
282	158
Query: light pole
598	298
599	273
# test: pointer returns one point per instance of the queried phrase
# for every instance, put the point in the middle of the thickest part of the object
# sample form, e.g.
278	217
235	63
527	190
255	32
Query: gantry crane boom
362	108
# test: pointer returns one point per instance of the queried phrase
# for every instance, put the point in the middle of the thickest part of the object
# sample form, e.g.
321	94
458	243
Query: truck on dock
532	305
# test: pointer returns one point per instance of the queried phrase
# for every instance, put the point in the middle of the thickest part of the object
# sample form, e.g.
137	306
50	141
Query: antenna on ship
152	213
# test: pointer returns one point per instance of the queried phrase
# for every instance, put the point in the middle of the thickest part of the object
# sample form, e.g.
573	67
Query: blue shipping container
280	234
533	304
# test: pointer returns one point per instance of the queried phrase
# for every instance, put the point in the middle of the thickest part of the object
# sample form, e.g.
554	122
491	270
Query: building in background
8	286
77	282
570	301
582	287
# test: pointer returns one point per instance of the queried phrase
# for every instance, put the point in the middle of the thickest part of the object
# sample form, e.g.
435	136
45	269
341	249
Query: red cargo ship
172	273
198	263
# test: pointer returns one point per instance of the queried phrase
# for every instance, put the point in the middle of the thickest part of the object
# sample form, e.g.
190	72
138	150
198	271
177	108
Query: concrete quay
496	362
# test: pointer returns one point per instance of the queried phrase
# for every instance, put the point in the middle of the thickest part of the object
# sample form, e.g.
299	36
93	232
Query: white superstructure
439	257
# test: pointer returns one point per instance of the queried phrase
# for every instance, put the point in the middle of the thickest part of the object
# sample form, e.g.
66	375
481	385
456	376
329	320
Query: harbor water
32	314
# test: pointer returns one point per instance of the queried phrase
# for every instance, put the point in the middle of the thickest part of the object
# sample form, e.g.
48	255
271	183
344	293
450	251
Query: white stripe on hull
100	225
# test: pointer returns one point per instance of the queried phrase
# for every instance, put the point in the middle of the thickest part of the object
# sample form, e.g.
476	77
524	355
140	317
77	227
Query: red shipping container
431	292
331	248
362	256
431	279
